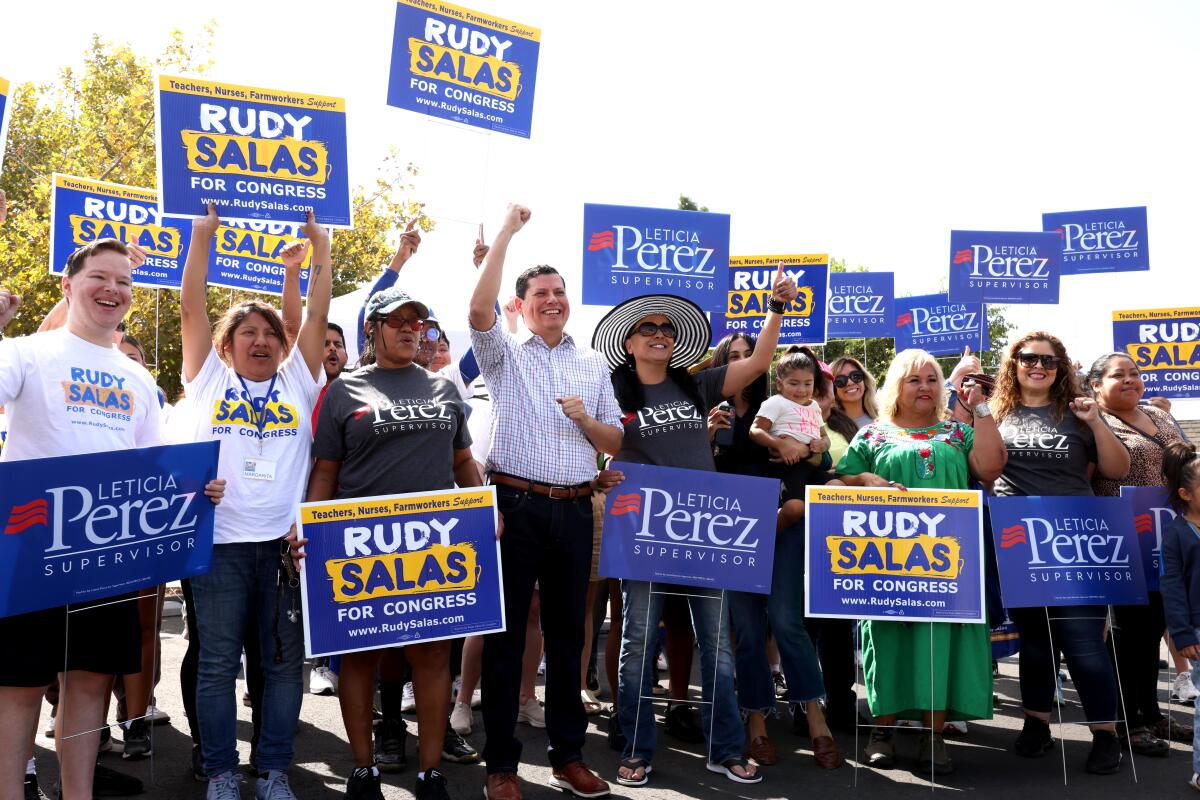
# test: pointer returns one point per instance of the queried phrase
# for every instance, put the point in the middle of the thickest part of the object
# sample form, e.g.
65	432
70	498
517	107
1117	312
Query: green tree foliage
99	123
688	204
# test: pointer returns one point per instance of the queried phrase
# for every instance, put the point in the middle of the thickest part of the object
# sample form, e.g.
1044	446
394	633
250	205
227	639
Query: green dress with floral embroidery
900	665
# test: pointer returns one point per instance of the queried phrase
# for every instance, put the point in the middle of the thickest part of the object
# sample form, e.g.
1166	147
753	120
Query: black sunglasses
841	380
648	329
1029	360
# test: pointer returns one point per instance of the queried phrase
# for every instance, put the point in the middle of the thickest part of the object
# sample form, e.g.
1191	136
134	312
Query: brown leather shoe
580	781
762	751
826	753
502	786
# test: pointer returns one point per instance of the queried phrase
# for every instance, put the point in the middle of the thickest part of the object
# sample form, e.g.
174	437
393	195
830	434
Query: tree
688	204
99	123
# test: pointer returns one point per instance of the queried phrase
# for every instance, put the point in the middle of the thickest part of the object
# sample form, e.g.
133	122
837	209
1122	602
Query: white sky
865	130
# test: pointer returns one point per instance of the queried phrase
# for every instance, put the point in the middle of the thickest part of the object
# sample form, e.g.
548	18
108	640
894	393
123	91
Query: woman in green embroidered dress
913	444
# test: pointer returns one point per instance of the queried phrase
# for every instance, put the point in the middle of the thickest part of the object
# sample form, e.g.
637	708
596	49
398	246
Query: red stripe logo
963	257
602	240
1013	536
20	518
627	504
1143	523
904	319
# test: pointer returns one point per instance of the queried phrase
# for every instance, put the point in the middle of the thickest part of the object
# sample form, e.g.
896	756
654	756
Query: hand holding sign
481	249
783	287
296	546
965	366
310	228
607	479
207	225
214	490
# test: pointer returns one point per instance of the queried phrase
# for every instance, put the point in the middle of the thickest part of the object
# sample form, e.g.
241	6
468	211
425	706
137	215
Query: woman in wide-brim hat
649	341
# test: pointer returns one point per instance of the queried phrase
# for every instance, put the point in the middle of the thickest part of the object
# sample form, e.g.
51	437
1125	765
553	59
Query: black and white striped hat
691	324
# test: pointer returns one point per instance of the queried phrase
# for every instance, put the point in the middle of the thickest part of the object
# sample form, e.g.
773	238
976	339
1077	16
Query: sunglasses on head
1030	360
841	380
648	329
397	321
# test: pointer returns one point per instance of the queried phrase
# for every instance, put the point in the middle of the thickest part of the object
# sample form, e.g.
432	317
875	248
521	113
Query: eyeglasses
648	329
842	380
1030	360
395	321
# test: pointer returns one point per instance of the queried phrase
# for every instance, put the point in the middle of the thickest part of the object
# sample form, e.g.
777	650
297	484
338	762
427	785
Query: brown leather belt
545	489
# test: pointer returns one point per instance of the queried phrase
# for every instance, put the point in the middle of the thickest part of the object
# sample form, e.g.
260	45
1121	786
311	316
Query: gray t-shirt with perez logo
394	430
669	431
1045	456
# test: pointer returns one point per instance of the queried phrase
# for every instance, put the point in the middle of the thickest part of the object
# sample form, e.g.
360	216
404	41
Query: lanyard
259	416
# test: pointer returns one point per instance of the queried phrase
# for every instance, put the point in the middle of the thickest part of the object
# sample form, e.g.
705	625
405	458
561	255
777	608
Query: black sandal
726	768
634	764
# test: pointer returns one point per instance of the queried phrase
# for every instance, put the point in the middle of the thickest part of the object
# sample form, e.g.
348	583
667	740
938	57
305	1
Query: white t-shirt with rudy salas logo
265	446
64	396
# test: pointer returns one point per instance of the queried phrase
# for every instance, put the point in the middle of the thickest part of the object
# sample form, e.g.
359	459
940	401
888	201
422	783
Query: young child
1180	581
790	423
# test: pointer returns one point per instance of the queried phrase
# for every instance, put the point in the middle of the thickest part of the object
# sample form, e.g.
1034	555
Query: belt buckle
565	489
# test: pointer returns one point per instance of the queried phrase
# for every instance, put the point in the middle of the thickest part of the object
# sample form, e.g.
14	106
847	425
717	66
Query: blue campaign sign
1067	551
385	571
83	210
5	113
259	154
462	65
82	528
749	283
1101	240
630	251
1004	267
862	305
245	255
933	323
914	556
1151	513
690	527
1164	343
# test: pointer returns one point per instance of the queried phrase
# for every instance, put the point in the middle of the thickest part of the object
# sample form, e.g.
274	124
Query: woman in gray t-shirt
1055	439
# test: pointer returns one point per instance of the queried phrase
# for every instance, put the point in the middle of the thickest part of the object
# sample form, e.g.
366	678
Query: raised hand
311	229
481	249
783	288
410	240
1085	409
9	303
208	224
515	217
293	255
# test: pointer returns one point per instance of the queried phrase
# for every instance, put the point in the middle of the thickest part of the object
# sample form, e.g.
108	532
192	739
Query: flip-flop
635	764
591	705
726	768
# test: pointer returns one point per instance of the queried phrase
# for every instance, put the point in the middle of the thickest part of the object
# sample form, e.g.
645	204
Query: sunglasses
842	380
648	329
1030	360
395	321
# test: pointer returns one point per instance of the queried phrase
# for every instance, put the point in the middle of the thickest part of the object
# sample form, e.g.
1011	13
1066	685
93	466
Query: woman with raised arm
248	391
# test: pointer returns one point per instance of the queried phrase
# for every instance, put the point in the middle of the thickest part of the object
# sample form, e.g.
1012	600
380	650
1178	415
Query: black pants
1078	634
834	640
191	663
1137	631
548	542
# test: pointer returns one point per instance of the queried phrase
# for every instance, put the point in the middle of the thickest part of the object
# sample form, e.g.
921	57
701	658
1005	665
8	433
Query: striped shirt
531	437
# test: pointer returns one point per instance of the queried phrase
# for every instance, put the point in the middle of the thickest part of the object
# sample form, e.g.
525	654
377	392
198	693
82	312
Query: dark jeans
834	640
548	542
1078	634
1137	632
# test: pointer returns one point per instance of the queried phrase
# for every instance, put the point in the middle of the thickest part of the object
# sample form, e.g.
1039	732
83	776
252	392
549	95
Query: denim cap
388	300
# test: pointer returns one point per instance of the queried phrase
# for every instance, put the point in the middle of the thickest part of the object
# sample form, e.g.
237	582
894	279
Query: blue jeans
244	581
1078	633
784	607
640	613
1196	719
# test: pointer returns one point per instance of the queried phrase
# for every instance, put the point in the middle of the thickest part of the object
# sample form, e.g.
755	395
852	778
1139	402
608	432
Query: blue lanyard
259	416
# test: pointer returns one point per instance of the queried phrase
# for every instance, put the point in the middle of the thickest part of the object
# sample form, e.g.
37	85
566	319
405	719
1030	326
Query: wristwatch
982	410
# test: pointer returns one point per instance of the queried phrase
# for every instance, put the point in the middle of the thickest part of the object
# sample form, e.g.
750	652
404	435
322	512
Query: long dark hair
840	422
756	392
1181	468
232	319
798	357
631	394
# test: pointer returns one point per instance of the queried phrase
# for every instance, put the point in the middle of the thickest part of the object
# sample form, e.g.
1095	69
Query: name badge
258	469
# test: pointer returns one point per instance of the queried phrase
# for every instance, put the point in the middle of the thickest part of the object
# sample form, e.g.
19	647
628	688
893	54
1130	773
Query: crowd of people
291	430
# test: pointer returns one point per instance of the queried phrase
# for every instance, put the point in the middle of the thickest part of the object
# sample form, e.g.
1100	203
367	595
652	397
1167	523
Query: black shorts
104	637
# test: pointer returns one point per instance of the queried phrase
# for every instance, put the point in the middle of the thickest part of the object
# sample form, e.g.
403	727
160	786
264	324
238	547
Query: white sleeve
212	370
12	370
151	431
773	407
296	370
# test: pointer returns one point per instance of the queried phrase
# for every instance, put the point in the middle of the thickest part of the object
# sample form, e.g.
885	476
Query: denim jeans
640	613
784	607
1196	718
548	542
244	582
1078	633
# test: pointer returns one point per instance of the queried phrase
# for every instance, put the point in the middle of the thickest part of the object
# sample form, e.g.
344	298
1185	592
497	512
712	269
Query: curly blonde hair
904	364
1007	395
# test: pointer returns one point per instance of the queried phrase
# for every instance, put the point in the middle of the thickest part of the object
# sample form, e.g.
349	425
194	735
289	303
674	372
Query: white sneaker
461	719
409	702
532	713
323	681
542	666
455	688
1182	690
156	716
476	699
955	727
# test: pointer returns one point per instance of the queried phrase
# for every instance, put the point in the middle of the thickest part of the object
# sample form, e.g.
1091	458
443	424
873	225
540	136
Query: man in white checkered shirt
552	409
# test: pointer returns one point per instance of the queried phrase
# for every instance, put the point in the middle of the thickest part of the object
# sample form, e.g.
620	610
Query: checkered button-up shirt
531	437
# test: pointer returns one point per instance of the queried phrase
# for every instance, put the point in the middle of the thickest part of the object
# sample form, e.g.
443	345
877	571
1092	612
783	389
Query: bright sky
865	130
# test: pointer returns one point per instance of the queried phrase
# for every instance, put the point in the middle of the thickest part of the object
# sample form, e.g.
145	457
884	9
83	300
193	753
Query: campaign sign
1102	240
386	571
1151	513
862	305
933	323
259	154
915	556
750	279
690	527
82	528
1067	551
1164	343
1004	267
5	113
245	255
83	210
457	64
630	251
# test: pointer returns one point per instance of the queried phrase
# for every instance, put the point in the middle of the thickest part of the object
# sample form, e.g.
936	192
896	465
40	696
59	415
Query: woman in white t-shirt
254	396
